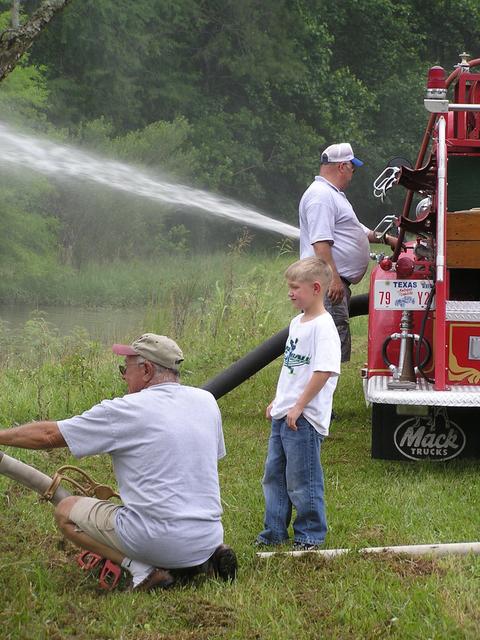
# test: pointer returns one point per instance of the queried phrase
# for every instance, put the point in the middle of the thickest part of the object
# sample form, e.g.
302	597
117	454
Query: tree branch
15	42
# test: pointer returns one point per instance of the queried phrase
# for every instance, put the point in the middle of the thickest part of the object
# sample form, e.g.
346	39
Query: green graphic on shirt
291	359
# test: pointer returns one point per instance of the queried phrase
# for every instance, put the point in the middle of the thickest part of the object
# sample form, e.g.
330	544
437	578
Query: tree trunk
16	41
15	14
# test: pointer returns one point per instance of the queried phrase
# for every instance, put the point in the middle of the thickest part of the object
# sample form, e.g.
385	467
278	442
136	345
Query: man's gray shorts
340	315
96	518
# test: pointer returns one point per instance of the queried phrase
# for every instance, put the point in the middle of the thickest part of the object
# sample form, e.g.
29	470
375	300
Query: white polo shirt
164	443
326	215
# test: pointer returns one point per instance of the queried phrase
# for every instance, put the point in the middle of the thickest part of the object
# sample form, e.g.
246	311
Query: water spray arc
64	161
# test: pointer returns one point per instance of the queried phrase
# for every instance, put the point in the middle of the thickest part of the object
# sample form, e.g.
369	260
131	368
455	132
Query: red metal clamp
110	575
88	560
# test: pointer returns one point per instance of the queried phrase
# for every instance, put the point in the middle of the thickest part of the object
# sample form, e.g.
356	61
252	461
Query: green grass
369	503
160	282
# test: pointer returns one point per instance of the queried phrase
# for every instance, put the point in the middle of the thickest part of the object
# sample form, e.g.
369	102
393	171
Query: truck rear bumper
376	391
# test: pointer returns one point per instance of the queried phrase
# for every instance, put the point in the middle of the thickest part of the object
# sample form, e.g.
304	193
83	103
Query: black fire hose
265	353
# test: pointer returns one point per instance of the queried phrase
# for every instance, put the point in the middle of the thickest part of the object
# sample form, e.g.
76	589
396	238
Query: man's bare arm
391	241
323	250
44	434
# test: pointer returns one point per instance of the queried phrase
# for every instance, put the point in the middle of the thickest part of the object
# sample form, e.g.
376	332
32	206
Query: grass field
369	502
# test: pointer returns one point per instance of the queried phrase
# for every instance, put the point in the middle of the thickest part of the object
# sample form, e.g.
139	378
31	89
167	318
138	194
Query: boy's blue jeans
294	477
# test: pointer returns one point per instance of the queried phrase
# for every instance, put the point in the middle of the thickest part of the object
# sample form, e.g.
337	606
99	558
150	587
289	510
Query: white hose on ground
29	477
444	549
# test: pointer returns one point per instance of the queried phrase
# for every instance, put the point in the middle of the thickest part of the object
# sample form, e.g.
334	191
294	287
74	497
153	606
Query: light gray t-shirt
311	346
164	442
326	215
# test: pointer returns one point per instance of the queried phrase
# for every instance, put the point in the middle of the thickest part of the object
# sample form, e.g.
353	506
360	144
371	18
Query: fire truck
422	377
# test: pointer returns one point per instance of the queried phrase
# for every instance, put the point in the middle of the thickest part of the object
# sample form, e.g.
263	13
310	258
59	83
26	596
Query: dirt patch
205	614
197	634
198	619
406	566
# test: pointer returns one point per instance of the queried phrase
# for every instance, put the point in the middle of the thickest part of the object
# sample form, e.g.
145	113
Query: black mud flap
443	433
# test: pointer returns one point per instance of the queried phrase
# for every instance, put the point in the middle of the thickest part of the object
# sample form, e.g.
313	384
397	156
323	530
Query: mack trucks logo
434	437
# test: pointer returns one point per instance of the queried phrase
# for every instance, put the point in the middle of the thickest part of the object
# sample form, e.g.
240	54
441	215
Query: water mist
59	160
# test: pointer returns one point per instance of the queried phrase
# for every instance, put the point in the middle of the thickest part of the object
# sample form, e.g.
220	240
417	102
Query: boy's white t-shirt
311	346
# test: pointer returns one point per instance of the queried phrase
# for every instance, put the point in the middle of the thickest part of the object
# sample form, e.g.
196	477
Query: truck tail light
386	264
436	83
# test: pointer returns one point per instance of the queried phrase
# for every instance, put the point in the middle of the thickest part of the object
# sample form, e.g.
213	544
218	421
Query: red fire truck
422	377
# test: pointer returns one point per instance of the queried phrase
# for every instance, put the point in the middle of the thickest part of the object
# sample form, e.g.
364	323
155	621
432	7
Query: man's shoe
260	544
223	563
156	579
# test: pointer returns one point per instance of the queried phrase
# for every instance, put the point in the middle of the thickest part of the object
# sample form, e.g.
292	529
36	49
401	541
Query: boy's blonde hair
310	270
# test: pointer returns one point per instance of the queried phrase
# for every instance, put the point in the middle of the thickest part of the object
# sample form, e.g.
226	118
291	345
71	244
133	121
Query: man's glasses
123	367
350	164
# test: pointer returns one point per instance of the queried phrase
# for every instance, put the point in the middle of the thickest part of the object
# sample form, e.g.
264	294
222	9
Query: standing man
330	230
164	440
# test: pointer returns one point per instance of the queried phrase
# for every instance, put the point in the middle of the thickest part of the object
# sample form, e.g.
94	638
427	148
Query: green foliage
162	145
28	251
53	375
23	94
453	27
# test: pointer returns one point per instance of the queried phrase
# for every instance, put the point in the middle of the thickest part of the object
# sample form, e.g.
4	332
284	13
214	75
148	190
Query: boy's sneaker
305	546
260	544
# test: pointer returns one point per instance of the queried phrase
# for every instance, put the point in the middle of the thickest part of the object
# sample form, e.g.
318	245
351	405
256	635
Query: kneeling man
164	439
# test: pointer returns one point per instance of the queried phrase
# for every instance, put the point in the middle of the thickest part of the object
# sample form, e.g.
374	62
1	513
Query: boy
300	413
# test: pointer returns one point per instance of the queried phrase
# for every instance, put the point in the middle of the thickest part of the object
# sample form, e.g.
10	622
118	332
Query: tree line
235	97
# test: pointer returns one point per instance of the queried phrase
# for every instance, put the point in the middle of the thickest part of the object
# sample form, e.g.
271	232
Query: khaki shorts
96	518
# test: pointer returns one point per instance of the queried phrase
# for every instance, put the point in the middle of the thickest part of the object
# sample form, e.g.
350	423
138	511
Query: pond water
104	325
